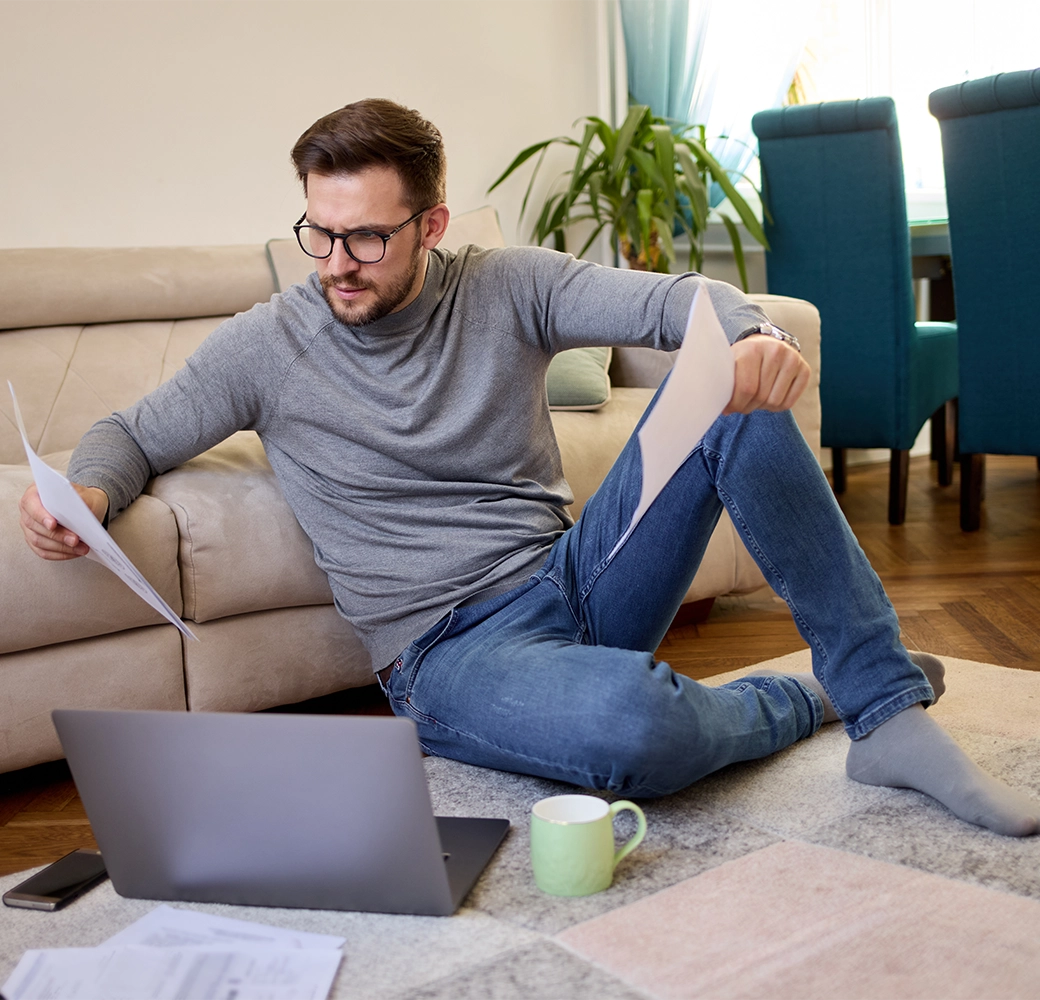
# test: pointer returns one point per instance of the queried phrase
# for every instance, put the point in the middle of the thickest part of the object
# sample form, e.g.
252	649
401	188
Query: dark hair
376	132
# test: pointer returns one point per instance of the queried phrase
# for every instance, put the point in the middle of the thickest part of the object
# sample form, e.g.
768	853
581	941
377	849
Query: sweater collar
414	316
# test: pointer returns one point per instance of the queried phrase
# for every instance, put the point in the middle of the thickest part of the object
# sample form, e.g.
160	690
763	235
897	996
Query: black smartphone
59	883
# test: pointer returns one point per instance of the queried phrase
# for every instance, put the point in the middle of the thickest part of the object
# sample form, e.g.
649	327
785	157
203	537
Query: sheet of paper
169	973
171	927
66	505
698	389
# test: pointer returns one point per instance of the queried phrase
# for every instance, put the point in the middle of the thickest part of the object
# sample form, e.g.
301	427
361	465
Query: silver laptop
322	812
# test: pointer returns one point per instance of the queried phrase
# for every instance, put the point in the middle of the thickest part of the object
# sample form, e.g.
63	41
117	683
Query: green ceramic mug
572	843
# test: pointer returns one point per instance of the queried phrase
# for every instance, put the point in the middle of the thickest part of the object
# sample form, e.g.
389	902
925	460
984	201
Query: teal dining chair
991	157
832	177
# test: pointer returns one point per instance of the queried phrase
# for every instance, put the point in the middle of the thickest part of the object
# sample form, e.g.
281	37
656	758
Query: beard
388	295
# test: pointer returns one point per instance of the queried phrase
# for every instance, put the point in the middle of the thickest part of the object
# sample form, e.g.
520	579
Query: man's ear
435	224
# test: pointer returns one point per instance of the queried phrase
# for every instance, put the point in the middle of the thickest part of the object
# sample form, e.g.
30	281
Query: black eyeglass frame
385	237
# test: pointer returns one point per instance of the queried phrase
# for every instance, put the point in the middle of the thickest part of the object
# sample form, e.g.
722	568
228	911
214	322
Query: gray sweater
417	451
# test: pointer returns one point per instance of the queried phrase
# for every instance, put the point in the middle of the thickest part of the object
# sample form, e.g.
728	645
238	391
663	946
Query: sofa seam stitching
191	567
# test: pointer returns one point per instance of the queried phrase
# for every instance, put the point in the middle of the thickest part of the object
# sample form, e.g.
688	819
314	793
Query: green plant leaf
526	154
646	180
664	151
738	250
544	226
592	239
743	209
664	234
530	184
645	208
697	190
648	169
626	134
580	176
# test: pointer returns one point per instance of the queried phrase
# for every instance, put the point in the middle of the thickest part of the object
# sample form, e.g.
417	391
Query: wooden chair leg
694	613
898	478
973	476
944	430
838	469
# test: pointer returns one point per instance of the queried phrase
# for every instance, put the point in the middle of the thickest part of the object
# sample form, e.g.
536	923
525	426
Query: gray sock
933	669
911	750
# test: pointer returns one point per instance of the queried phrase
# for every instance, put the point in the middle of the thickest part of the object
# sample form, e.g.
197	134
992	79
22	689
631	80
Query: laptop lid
322	812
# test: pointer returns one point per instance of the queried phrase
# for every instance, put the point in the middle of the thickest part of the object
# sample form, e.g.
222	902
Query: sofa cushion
250	662
86	598
67	377
78	285
137	668
241	548
578	379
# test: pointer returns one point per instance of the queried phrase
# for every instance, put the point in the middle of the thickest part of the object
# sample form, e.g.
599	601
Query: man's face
372	199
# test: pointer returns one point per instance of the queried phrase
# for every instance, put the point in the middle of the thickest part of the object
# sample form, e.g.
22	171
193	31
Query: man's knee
650	747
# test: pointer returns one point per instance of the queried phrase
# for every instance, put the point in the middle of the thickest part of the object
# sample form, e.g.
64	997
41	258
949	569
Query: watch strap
769	330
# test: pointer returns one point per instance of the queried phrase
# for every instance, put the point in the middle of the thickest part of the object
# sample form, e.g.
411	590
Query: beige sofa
84	332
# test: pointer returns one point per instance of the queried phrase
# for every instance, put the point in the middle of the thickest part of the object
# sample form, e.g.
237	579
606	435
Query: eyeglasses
363	245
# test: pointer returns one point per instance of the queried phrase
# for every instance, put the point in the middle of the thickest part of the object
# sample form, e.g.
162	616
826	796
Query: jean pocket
408	663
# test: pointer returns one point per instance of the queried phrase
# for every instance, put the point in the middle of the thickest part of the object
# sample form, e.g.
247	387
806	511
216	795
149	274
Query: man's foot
911	750
933	669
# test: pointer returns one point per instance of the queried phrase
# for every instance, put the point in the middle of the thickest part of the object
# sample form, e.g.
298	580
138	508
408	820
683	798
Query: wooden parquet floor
974	596
971	595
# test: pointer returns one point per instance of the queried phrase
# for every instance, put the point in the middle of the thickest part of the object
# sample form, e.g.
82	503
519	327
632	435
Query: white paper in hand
698	389
63	503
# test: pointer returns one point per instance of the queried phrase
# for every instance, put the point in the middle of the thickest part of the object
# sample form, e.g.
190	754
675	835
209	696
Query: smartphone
59	883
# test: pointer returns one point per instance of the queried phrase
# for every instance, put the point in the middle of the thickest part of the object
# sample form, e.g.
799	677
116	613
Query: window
908	48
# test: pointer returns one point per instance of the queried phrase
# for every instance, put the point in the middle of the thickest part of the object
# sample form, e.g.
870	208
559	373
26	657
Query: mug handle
636	837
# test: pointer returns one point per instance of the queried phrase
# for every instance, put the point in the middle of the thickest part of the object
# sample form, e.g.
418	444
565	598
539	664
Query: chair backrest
991	156
832	176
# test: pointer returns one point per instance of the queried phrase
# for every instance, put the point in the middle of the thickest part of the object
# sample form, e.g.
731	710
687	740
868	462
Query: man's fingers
44	535
745	389
787	385
798	385
768	375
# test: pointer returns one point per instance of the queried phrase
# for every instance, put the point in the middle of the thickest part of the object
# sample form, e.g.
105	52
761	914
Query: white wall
159	122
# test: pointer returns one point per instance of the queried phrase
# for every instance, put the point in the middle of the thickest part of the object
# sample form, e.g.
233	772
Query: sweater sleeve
223	387
576	303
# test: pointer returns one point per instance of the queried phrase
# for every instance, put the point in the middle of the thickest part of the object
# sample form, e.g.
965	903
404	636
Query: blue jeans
557	678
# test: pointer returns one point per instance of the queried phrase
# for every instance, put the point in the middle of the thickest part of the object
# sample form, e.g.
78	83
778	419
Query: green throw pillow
578	380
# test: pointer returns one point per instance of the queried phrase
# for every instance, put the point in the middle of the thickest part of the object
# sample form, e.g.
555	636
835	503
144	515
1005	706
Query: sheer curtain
715	64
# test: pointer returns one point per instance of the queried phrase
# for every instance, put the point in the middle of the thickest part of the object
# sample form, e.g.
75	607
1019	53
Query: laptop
321	812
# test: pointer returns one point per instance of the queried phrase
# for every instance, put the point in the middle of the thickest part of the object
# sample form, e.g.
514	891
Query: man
400	397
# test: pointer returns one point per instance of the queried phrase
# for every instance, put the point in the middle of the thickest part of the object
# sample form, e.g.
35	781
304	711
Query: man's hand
769	375
47	538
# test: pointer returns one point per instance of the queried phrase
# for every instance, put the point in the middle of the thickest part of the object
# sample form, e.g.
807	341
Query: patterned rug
776	879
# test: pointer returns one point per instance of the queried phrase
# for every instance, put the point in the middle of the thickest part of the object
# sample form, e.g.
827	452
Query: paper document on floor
174	953
170	927
63	503
174	973
698	388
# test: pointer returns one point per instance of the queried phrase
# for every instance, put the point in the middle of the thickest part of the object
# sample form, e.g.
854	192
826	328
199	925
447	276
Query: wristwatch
770	331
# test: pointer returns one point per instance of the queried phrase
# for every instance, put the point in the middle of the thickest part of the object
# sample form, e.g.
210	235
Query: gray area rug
784	857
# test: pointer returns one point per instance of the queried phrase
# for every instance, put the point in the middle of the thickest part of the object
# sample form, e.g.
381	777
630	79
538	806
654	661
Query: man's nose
340	262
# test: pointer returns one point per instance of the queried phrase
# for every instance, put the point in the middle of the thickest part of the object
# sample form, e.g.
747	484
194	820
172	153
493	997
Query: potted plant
648	181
